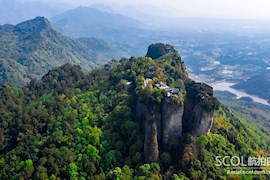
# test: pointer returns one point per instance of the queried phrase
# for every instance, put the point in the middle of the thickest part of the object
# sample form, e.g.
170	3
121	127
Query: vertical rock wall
197	120
151	151
163	123
150	117
171	121
203	120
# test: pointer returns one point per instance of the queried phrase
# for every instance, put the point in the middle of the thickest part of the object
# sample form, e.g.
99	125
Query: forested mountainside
138	118
253	112
29	49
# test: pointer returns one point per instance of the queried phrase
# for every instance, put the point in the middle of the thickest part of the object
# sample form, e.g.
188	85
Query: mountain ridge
91	22
31	48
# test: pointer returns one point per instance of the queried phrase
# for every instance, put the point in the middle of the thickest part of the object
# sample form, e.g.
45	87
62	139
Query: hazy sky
15	11
225	9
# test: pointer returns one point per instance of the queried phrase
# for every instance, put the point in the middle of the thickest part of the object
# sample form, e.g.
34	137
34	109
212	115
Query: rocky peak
159	49
35	25
6	27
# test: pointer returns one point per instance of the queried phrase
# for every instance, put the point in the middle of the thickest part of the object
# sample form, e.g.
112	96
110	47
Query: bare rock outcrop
151	120
171	121
162	126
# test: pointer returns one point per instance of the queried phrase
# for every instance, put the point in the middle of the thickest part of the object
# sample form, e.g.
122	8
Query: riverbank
227	86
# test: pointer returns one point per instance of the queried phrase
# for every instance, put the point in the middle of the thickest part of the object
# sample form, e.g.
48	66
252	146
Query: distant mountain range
90	22
28	50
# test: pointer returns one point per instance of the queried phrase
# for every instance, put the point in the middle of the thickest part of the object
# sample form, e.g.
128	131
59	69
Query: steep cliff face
171	121
203	120
151	151
151	120
199	108
197	120
162	126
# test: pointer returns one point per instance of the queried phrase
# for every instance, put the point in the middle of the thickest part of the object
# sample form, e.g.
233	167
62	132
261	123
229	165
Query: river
227	86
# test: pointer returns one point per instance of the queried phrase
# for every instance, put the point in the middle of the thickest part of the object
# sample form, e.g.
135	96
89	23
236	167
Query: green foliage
70	125
121	174
203	140
202	93
155	51
179	177
72	171
26	168
152	73
148	171
255	113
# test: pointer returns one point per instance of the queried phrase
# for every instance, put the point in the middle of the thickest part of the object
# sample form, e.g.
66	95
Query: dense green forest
71	125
